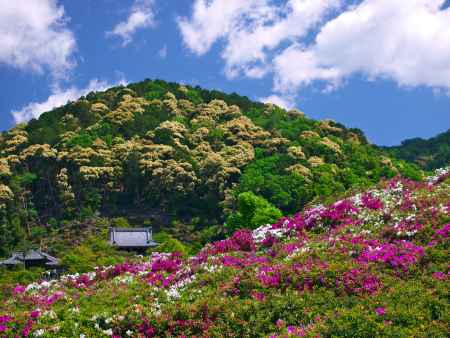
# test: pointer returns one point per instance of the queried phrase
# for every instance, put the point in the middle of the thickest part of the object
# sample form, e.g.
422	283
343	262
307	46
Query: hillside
182	159
429	154
371	265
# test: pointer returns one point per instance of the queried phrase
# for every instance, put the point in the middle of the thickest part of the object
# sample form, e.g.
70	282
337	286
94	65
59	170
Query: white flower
45	284
108	332
129	333
262	232
38	333
173	293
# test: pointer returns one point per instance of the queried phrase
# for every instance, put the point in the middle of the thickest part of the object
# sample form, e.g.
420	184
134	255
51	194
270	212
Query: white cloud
250	29
407	41
309	42
58	98
34	35
212	20
286	102
141	16
297	67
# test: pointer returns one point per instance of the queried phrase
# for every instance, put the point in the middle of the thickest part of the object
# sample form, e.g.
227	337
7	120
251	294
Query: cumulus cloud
250	29
407	41
59	97
141	16
34	36
308	42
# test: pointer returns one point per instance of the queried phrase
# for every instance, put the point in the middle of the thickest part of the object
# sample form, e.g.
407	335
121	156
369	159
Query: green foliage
428	154
11	235
252	212
91	253
38	232
82	140
167	243
168	152
120	222
155	90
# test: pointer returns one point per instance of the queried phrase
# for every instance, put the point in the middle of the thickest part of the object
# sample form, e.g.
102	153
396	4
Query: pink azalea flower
18	289
439	275
380	311
280	323
5	319
35	314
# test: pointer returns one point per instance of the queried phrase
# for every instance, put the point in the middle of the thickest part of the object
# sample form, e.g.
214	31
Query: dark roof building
31	258
131	238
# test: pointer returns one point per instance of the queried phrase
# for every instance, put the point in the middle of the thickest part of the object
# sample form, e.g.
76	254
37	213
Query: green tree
252	212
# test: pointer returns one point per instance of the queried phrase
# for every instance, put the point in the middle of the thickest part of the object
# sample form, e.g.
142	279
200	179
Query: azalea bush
371	265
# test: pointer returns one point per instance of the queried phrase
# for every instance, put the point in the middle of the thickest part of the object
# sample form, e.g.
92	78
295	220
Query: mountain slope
371	265
428	154
175	157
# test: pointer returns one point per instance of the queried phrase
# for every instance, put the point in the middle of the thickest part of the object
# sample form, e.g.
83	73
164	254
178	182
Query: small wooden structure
138	239
31	258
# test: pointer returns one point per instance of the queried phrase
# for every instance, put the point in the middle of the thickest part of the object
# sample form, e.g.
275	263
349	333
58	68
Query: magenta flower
27	329
269	276
298	331
147	329
35	314
370	202
280	323
380	311
244	240
54	297
439	275
18	289
444	231
356	281
400	254
5	319
259	296
3	328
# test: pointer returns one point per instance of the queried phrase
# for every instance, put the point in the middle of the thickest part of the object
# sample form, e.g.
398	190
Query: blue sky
379	65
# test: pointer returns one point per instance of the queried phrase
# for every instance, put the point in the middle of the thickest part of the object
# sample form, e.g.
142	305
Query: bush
91	253
120	222
167	243
252	212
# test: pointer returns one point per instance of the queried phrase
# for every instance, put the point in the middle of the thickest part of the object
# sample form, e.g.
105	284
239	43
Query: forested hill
429	154
172	156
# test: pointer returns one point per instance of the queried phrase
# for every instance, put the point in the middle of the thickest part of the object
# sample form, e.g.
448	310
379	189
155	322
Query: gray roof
31	255
13	260
131	237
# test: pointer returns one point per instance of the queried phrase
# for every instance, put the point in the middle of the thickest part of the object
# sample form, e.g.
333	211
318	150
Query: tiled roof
13	260
31	255
131	237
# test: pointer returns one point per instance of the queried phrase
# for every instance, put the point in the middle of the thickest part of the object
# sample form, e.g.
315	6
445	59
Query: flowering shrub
400	254
375	264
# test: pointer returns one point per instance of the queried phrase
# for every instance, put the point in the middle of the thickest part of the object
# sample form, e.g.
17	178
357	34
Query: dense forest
181	159
429	154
